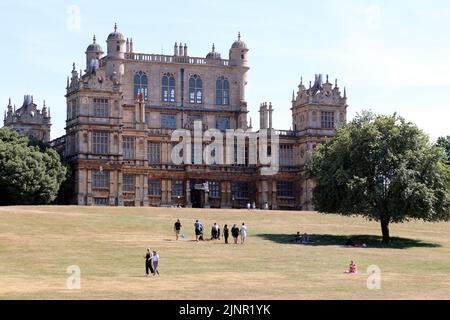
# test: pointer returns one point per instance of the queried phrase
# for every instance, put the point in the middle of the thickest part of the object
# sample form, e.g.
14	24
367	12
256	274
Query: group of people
251	206
303	238
216	232
151	262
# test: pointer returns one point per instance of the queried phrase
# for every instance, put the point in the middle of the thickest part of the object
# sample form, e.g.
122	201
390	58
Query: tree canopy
382	168
444	142
30	171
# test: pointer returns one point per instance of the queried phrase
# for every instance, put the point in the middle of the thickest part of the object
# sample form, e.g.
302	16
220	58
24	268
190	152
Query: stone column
264	193
89	197
274	195
224	195
80	178
188	194
112	185
207	205
145	201
137	191
120	188
228	194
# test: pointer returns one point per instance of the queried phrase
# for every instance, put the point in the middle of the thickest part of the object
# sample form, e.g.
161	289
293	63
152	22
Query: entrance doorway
197	198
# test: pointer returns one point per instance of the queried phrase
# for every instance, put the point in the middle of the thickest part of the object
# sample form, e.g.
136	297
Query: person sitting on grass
306	239
298	238
352	244
353	268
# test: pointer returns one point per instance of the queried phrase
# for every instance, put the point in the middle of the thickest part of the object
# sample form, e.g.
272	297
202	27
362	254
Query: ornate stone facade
28	120
122	111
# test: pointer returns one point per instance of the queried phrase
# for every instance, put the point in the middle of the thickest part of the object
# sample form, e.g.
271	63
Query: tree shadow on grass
339	240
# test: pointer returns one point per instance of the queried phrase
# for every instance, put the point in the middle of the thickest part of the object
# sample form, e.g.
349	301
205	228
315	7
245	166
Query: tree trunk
385	230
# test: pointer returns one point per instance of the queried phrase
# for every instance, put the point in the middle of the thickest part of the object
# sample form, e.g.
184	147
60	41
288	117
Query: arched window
141	85
195	90
222	92
168	88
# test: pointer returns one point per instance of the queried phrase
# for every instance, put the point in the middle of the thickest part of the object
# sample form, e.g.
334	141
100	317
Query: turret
94	53
116	53
238	53
116	44
238	58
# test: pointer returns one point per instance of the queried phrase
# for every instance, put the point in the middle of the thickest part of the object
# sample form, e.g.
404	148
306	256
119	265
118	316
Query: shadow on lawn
334	240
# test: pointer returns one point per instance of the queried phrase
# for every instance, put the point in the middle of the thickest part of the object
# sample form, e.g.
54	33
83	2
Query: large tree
383	168
444	142
30	172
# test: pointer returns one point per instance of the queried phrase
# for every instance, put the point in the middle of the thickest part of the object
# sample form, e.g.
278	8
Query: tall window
239	190
214	189
286	155
194	118
168	88
101	201
222	123
100	107
100	179
154	187
141	85
177	188
99	142
168	121
128	148
222	92
128	183
285	189
154	153
327	120
73	108
195	90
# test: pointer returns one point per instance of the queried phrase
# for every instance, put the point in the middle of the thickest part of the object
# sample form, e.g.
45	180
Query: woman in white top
155	263
243	233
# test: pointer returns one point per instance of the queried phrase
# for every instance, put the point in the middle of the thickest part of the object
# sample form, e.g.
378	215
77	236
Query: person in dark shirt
214	231
148	262
177	228
226	233
235	233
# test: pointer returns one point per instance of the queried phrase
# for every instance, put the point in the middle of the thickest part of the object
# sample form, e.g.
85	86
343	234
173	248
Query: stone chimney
263	117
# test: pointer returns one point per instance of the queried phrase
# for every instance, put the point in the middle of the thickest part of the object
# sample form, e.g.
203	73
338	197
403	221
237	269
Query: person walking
214	231
177	228
148	262
243	233
226	233
235	233
198	229
155	263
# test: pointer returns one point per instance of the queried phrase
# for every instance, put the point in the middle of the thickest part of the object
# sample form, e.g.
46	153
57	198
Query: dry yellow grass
37	244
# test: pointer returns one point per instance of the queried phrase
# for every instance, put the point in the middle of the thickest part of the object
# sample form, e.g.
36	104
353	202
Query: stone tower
238	59
316	114
28	120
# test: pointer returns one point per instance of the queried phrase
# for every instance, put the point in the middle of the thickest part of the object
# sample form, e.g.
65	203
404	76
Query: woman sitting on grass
353	268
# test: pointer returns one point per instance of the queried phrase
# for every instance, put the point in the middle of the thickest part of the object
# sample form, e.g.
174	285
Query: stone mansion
123	108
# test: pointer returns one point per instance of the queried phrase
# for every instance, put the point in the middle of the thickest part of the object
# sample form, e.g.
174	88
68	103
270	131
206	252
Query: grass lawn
37	244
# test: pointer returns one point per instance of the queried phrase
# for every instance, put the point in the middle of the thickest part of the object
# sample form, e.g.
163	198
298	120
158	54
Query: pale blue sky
393	56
